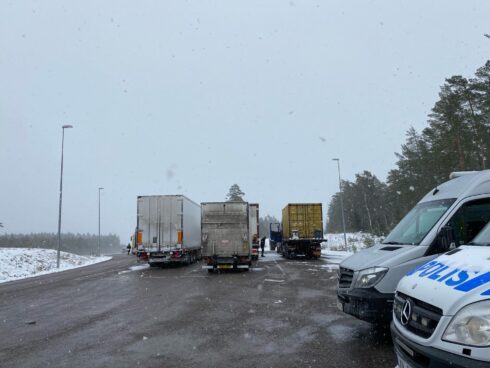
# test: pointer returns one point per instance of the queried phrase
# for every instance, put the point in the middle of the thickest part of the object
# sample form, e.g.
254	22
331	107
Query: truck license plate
225	266
403	364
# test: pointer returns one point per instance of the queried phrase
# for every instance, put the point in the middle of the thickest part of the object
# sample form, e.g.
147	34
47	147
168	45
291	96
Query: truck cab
458	208
441	314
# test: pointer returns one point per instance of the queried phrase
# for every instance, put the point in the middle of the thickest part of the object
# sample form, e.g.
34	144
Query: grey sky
171	97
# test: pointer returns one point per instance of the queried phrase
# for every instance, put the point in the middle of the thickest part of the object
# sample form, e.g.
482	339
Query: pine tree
235	194
264	225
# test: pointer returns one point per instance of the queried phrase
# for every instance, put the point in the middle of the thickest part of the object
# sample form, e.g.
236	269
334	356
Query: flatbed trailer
302	233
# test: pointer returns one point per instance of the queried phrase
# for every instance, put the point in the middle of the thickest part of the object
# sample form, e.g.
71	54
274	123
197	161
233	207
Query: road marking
272	280
279	266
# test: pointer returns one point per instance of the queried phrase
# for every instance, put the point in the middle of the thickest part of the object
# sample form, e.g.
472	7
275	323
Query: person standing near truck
262	245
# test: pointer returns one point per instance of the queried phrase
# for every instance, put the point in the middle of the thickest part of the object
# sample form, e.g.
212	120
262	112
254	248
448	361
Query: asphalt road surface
120	314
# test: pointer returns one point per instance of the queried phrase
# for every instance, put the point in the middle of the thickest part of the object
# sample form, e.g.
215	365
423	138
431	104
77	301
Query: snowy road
282	314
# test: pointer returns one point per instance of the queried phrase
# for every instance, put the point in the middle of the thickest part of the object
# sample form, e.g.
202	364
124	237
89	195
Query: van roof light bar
457	174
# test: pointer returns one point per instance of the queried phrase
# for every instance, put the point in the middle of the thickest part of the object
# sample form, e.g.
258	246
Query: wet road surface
118	313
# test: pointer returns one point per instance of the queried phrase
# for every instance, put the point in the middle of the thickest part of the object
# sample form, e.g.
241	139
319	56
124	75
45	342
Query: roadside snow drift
334	247
20	263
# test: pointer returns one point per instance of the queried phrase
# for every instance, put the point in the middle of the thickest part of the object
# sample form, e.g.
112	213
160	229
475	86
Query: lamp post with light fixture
341	202
61	194
98	251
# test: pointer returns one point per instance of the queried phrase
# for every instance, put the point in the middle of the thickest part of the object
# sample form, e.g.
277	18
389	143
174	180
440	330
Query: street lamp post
61	194
341	202
98	251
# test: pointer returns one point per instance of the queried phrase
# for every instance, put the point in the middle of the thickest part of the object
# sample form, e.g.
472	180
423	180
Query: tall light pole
341	202
98	252
61	194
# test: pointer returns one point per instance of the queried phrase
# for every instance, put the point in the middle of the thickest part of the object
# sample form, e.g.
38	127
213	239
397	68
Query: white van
441	314
449	215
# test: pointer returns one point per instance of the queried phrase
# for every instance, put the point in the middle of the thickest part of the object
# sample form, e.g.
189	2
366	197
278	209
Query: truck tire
152	264
210	270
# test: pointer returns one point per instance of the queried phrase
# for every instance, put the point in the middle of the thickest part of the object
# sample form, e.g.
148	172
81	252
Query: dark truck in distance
275	235
225	235
302	233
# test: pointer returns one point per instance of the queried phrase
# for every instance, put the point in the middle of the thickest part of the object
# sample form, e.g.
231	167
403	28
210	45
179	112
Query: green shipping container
305	220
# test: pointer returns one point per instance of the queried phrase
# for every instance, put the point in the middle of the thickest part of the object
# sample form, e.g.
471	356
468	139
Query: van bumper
419	356
366	304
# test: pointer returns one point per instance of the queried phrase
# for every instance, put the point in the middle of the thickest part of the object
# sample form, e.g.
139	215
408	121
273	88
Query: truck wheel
210	270
152	264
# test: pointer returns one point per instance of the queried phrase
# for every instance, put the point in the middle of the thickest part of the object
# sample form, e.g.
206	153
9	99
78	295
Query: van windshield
418	222
483	237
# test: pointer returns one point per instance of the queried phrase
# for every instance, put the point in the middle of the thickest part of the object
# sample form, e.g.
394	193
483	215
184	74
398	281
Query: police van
448	216
441	313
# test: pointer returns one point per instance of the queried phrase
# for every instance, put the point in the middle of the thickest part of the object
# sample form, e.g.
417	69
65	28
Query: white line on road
272	280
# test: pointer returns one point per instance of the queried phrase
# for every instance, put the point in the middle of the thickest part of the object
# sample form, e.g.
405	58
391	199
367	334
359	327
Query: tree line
82	244
457	138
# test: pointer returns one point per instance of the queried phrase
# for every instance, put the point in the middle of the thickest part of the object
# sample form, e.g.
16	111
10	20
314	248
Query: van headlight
369	277
470	326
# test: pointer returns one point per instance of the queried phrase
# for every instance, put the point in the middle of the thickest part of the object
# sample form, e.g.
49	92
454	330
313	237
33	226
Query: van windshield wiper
393	243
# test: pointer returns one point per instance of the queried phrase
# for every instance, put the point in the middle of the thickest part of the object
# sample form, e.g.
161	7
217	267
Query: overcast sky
189	97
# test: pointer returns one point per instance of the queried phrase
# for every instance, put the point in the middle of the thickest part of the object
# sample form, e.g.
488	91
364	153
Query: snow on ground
271	256
135	268
20	263
355	241
334	248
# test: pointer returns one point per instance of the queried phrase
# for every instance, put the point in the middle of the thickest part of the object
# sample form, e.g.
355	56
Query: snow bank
334	248
20	263
355	241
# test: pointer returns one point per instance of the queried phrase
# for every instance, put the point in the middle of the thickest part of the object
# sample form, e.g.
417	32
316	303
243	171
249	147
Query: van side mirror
445	239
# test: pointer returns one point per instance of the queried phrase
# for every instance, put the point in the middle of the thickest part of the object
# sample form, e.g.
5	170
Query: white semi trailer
168	229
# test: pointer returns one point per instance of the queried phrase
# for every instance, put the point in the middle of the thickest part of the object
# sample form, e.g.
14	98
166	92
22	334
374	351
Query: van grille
345	277
423	319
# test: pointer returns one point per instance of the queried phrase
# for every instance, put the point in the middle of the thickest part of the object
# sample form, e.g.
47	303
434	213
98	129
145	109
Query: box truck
168	229
441	314
302	233
225	235
458	208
